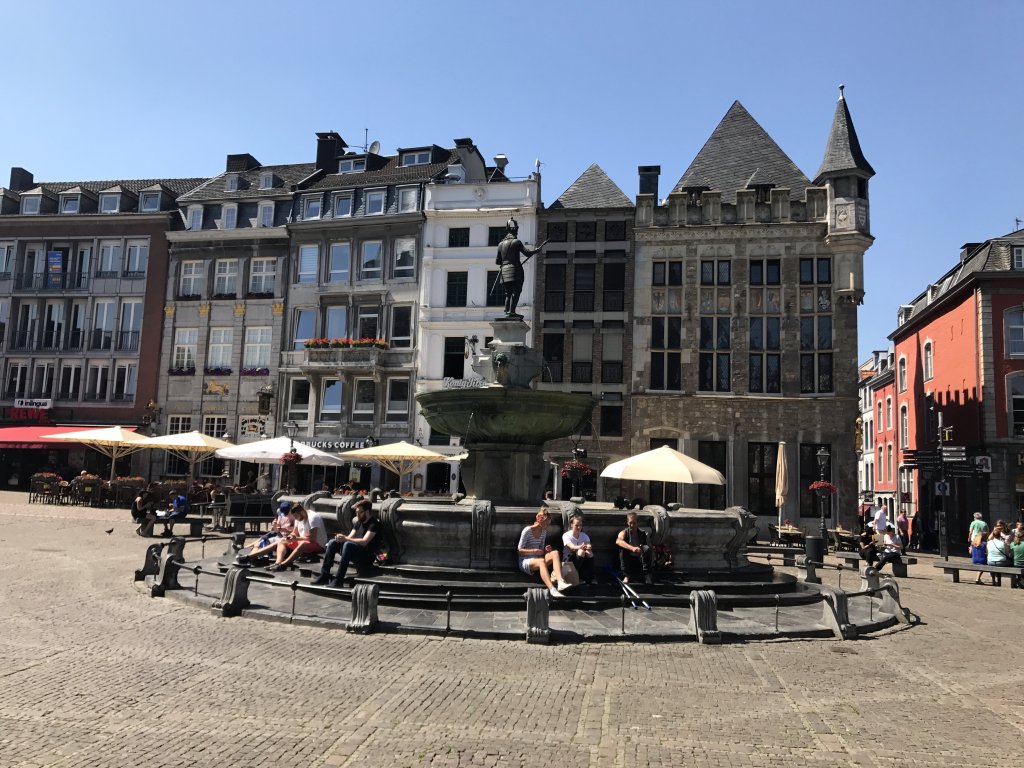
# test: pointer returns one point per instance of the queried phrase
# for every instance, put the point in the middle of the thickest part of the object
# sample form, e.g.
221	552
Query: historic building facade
747	281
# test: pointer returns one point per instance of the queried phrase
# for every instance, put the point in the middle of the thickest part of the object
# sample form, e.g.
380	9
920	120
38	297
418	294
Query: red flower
822	487
292	457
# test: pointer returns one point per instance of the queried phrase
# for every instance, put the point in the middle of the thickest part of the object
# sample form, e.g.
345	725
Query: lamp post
823	458
291	429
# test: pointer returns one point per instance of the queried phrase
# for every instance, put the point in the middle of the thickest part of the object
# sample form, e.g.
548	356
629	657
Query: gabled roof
594	189
173	186
842	151
738	149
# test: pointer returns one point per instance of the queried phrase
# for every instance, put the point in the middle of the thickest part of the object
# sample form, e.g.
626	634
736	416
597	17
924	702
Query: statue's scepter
497	279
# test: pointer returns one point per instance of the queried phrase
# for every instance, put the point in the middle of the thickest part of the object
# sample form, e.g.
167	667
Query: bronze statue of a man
510	258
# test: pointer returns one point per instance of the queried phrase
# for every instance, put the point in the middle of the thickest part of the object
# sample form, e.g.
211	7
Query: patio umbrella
113	442
781	480
401	457
270	452
664	464
187	446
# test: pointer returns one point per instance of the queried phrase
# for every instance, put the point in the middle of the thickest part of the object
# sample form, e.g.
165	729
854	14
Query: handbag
569	574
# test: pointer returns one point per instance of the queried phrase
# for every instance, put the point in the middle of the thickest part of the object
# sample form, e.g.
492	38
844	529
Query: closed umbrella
781	480
113	442
187	446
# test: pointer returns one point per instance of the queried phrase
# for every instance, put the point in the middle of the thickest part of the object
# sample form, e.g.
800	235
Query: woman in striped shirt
536	555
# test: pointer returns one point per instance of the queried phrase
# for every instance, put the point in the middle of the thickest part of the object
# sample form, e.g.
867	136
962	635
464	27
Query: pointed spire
842	152
593	189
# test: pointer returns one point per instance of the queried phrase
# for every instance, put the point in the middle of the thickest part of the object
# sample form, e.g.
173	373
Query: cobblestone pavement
96	673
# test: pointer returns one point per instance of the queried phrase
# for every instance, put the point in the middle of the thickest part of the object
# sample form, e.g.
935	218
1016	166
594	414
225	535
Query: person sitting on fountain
578	550
356	546
634	554
536	555
308	537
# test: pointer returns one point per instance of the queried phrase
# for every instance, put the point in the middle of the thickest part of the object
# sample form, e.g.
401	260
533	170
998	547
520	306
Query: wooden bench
953	567
852	560
195	524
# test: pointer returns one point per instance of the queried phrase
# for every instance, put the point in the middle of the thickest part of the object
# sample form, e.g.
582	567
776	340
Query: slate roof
842	151
593	189
249	184
391	173
738	149
174	186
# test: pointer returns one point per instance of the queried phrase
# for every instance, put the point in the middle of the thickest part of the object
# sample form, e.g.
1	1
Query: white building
459	292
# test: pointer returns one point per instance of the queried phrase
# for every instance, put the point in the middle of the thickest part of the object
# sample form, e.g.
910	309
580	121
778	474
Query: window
554	287
761	463
262	275
374	202
185	342
420	157
495	291
311	207
398	400
339	263
611	357
303	328
370	259
42	380
611	420
5	309
177	425
369	322
816	325
809	472
6	260
309	263
70	386
53	326
880	463
256	353
582	356
231	184
1018	257
225	280
298	400
901	375
138	258
405	257
96	382
330	400
904	428
266	218
69	203
149	202
195	217
666	326
765	361
495	235
110	259
929	362
458	237
408	199
714	372
110	203
554	355
613	298
104	312
336	322
266	180
364	401
458	283
214	426
558	231
30	204
888	463
586	231
221	344
1013	320
401	326
454	357
229	217
584	280
352	166
1016	389
615	230
713	453
342	205
878	418
765	272
131	326
888	413
17	381
191	279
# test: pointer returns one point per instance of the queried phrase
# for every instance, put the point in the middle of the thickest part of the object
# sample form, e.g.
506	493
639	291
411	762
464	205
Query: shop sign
251	427
36	403
470	382
335	445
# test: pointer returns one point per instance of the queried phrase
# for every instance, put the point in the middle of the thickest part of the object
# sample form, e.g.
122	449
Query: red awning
35	437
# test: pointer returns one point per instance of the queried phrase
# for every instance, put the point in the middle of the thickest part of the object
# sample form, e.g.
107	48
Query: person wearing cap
281	528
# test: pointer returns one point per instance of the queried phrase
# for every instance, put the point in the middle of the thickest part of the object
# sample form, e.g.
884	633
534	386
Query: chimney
241	163
966	250
21	180
329	147
649	180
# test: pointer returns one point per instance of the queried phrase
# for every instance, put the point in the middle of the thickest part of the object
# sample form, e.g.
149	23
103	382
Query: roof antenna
1017	222
841	89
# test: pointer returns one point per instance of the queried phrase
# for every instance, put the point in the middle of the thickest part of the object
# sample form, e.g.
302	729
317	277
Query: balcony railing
101	339
76	341
583	301
613	301
554	301
611	373
552	372
358	358
582	373
22	340
128	341
43	281
123	397
94	396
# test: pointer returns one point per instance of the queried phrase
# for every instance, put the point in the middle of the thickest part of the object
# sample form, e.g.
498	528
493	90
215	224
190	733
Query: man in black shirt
634	554
356	546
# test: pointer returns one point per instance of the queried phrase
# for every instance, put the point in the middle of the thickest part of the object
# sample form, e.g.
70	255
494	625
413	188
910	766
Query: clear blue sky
134	90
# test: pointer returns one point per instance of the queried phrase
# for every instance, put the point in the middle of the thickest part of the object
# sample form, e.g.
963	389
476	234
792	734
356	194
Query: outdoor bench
953	567
237	524
853	560
195	524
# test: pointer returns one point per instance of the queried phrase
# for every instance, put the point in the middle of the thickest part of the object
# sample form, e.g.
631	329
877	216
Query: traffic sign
942	489
954	453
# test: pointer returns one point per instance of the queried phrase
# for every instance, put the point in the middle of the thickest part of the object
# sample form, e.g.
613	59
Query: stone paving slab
95	673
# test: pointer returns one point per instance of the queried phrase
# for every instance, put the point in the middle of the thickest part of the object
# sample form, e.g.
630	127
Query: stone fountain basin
511	416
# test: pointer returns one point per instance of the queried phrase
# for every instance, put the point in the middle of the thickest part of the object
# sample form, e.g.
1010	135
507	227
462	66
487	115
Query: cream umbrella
113	442
781	480
271	451
401	457
187	446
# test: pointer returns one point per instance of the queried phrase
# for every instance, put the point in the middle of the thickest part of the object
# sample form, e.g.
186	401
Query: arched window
1015	406
888	463
903	374
888	413
904	427
881	463
929	363
1013	325
878	420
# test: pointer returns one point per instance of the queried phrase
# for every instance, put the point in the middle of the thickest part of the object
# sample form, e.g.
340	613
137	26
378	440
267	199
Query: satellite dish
375	148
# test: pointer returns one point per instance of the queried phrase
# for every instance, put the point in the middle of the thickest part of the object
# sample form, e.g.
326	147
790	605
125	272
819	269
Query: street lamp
224	473
823	458
291	429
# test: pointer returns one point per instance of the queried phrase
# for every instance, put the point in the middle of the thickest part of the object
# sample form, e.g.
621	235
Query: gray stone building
584	316
747	281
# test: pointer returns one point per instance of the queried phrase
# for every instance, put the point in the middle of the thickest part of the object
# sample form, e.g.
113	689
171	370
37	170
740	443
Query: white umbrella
113	442
401	457
270	452
781	480
664	464
187	446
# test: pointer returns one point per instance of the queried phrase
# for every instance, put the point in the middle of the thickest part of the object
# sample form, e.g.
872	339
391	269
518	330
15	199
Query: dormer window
229	217
69	203
374	202
266	180
195	217
420	157
110	202
266	214
231	182
408	199
149	202
30	204
1018	257
354	165
342	205
311	208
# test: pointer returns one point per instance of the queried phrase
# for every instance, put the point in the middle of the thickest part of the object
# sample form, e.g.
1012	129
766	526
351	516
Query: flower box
181	371
217	371
255	372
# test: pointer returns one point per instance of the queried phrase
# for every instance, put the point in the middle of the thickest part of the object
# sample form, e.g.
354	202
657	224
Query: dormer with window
194	218
351	165
342	205
311	207
267	180
903	313
231	182
149	201
415	157
110	202
70	203
229	216
265	216
374	202
1018	257
33	203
